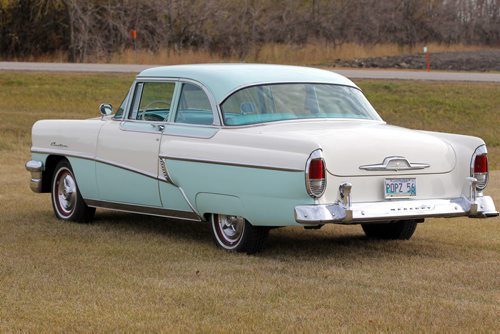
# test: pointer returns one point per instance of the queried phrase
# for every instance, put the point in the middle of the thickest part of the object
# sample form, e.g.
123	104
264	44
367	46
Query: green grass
126	272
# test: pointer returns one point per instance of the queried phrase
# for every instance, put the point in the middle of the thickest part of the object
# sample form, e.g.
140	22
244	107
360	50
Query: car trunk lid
364	148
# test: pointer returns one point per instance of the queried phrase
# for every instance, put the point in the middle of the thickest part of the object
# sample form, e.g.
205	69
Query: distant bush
89	29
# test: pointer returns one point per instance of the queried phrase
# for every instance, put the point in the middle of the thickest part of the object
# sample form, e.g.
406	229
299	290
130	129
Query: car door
189	129
127	149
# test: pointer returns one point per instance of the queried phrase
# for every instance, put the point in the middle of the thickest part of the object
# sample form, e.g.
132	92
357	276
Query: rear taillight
315	174
481	164
479	167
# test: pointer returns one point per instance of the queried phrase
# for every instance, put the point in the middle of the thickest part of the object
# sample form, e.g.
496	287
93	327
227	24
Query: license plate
400	188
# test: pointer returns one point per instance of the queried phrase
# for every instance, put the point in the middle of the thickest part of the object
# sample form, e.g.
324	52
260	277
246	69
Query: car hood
358	148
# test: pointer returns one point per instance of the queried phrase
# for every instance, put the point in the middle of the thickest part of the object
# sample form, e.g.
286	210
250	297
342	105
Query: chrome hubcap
66	192
231	228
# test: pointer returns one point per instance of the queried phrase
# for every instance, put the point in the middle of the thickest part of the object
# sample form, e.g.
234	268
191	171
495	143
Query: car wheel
398	230
234	233
67	201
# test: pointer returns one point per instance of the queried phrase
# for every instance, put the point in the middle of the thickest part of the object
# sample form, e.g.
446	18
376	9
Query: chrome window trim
290	121
135	99
217	120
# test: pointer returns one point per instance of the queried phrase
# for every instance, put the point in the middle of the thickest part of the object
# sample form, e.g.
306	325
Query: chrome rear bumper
343	212
394	210
36	169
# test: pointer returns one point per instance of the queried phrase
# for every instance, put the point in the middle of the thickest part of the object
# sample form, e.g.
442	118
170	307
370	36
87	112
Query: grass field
133	273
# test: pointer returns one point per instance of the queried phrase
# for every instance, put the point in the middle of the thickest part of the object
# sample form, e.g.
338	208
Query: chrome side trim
36	169
145	210
164	170
189	203
106	162
63	153
231	164
395	163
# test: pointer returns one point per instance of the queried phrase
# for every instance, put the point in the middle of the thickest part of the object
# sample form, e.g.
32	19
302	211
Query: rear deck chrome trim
395	163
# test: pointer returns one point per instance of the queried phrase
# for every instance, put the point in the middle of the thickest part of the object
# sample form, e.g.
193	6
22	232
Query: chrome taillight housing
479	167
316	174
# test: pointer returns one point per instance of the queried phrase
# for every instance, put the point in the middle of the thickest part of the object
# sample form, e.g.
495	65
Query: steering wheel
157	102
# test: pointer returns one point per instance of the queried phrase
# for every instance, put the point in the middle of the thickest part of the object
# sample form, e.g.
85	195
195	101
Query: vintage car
251	147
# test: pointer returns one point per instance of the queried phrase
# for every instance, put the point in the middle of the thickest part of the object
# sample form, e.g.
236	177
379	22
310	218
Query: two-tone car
249	147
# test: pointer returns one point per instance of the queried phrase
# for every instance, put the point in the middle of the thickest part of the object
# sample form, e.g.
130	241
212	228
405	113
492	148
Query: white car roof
224	79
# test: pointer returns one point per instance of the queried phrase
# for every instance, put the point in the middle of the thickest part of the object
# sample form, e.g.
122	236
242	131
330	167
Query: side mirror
106	109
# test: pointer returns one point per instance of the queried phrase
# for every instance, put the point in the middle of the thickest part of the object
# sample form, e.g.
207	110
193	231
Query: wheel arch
212	203
49	169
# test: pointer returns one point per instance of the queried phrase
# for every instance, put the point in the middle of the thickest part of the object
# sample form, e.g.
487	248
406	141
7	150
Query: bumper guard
36	169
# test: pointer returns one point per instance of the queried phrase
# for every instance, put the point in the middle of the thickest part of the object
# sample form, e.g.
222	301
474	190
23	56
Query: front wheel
397	230
67	202
234	233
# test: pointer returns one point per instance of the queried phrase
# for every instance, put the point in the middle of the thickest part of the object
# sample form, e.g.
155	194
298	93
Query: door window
194	106
152	101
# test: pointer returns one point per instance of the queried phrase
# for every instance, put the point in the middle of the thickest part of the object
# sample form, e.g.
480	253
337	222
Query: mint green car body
189	141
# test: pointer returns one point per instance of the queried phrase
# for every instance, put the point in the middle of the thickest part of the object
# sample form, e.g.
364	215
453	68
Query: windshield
277	102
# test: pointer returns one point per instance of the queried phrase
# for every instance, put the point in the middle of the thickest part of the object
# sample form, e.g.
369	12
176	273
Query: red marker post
427	59
133	35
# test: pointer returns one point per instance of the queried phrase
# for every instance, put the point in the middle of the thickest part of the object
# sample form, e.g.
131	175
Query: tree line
86	29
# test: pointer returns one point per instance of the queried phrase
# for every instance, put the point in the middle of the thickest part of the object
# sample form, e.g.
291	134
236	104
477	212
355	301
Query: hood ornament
395	164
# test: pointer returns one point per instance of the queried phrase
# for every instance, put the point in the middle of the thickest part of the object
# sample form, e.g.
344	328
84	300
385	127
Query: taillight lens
481	164
315	175
481	171
317	169
479	167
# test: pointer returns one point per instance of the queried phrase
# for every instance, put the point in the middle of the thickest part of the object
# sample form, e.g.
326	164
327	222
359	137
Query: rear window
277	102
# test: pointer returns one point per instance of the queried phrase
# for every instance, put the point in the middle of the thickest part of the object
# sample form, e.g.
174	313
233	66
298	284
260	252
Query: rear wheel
67	202
397	230
234	233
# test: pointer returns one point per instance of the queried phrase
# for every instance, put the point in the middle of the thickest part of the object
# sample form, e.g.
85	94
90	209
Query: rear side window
152	101
194	106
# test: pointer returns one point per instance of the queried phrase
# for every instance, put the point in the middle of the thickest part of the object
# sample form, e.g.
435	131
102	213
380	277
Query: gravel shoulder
479	61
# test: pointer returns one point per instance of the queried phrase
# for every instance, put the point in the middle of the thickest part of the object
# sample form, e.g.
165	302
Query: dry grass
308	54
321	53
139	274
